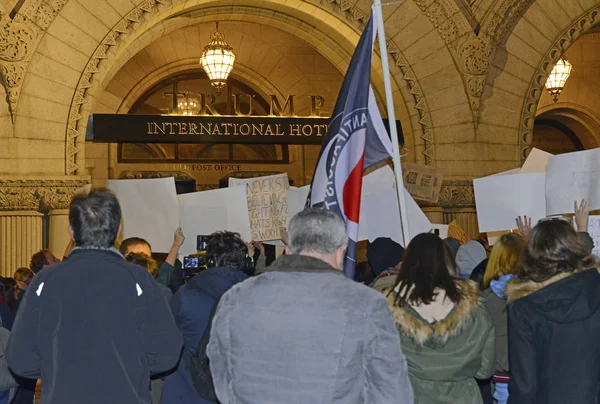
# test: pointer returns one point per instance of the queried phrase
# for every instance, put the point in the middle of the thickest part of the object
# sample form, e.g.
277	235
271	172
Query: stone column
466	218
59	231
20	238
435	214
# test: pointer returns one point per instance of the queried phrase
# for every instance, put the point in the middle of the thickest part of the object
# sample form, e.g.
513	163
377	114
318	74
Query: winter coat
191	307
496	306
445	356
554	339
94	328
303	333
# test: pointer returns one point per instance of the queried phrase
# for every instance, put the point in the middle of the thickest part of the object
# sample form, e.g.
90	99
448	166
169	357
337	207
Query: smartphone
191	262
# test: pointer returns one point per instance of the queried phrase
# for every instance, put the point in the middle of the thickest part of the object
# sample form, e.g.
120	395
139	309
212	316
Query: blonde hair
23	274
144	261
504	258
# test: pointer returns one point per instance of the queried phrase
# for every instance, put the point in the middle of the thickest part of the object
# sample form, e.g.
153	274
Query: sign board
500	199
423	182
267	204
572	177
594	231
149	210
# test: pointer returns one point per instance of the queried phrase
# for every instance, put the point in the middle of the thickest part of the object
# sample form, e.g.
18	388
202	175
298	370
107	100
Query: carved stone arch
575	116
156	11
580	26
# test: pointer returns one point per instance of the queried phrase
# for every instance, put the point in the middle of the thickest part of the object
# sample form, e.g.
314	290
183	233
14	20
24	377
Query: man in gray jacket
303	333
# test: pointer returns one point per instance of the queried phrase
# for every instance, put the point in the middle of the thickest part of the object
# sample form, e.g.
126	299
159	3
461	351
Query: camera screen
191	262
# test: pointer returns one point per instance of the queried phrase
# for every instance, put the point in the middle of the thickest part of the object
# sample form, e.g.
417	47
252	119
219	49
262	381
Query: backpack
199	367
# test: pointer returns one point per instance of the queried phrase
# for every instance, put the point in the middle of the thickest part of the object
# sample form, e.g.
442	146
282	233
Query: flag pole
392	121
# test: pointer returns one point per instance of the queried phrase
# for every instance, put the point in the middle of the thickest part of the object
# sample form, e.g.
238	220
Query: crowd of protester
437	322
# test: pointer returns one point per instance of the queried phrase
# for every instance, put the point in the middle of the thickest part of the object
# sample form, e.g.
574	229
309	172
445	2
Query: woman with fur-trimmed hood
554	320
447	335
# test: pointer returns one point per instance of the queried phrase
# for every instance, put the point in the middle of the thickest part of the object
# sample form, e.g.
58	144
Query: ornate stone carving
457	194
18	39
536	86
74	123
37	194
138	175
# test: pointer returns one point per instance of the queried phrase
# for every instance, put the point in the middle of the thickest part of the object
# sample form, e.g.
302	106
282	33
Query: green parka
445	357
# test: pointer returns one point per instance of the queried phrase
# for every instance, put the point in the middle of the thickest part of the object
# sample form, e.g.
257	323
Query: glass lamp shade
217	60
188	105
558	78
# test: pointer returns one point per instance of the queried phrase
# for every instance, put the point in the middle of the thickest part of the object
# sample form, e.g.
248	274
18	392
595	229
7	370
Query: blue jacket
191	307
303	333
94	328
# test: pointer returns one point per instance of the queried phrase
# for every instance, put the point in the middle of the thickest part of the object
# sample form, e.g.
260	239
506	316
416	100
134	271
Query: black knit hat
384	253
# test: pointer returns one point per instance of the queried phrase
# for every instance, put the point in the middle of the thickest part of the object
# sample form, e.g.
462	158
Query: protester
42	259
554	319
502	267
94	327
303	333
479	273
453	246
385	257
23	277
469	255
581	217
446	333
170	272
193	309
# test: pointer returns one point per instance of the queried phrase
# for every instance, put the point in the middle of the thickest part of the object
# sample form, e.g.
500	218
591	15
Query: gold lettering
159	128
194	129
269	130
316	103
237	104
205	129
227	126
216	130
306	132
276	109
183	128
256	128
207	107
278	131
247	129
294	129
319	129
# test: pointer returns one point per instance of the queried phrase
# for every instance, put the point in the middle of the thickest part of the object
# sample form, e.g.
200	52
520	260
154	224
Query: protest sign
296	201
380	212
594	232
537	161
572	177
267	204
203	213
149	210
423	182
500	199
457	232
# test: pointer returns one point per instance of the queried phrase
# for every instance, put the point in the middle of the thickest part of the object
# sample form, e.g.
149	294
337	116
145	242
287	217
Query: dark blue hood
217	281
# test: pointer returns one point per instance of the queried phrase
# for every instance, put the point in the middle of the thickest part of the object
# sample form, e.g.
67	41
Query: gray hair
317	230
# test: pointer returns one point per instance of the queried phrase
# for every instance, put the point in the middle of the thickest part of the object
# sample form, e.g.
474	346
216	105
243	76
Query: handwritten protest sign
423	182
573	177
267	204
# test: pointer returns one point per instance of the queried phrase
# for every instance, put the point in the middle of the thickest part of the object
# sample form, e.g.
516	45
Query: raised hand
524	225
582	215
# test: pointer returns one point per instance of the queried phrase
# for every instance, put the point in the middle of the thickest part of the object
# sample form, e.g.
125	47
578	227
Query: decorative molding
126	25
457	194
19	38
536	86
35	195
138	175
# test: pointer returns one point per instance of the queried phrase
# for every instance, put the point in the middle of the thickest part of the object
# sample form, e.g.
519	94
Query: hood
469	255
564	298
437	333
498	286
217	281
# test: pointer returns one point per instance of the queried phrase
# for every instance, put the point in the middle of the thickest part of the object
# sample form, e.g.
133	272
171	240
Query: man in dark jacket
95	327
303	333
192	306
170	273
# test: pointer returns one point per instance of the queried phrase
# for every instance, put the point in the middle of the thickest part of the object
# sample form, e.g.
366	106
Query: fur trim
517	289
422	332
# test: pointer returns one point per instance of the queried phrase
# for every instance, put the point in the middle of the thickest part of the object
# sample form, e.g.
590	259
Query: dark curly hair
226	249
38	260
553	247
